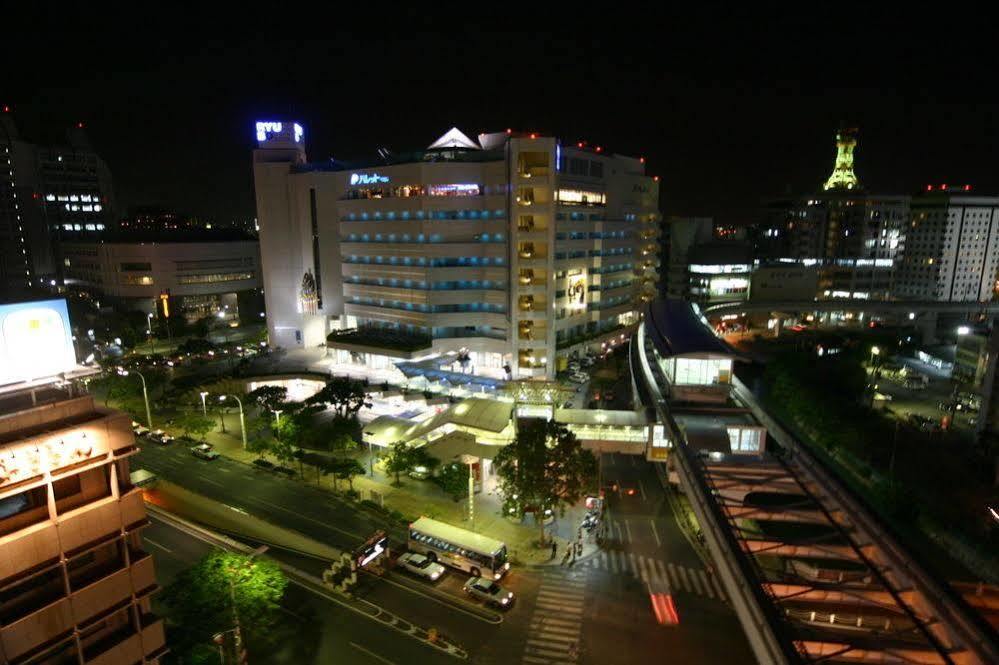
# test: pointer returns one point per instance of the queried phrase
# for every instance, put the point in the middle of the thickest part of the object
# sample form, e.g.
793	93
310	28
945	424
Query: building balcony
36	630
121	646
101	595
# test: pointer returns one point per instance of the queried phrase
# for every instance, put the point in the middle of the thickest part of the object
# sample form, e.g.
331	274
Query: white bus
459	548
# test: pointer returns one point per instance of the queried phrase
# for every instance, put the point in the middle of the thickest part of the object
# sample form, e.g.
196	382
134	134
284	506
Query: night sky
725	110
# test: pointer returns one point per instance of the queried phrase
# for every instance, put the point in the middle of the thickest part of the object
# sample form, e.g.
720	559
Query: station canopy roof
601	417
475	413
677	328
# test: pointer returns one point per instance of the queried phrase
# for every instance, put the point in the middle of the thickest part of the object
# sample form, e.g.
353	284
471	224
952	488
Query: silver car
489	592
421	566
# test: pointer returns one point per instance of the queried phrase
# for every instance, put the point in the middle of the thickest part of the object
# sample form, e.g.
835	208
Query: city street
601	603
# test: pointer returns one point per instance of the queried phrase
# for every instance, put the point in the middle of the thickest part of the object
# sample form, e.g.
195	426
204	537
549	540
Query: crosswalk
554	632
658	573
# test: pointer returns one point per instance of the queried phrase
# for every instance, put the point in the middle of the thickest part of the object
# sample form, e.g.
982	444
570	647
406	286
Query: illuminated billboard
35	341
575	292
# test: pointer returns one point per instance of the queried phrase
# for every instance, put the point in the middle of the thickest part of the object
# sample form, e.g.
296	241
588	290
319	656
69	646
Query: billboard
576	291
36	341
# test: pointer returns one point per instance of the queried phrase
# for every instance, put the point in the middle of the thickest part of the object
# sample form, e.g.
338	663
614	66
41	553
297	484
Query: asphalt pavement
596	611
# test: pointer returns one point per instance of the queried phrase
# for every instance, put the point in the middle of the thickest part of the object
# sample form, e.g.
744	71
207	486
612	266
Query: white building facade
513	248
952	247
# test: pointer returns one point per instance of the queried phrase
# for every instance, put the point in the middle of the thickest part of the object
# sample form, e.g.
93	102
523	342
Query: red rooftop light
79	125
641	160
655	178
943	187
967	188
580	144
534	136
509	131
599	149
929	188
6	109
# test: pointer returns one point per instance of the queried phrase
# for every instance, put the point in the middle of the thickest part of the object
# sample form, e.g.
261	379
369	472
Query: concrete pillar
926	324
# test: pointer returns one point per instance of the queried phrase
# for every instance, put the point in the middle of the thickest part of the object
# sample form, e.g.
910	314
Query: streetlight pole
371	468
145	395
242	419
204	407
149	324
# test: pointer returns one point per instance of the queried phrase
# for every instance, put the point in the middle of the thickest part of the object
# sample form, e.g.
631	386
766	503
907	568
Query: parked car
419	473
285	471
573	366
161	437
488	592
263	464
421	566
579	377
588	361
204	451
139	430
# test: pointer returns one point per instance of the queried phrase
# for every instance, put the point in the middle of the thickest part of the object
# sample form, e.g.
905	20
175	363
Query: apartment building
952	246
514	249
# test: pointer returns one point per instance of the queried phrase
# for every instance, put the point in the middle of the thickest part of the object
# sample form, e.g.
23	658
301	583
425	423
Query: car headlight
497	576
434	576
506	566
505	601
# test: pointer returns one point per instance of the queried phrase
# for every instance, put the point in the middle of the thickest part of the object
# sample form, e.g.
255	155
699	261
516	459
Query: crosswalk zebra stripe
632	566
613	561
557	630
555	622
661	569
685	583
648	572
562	609
674	576
547	652
706	583
540	661
695	582
552	636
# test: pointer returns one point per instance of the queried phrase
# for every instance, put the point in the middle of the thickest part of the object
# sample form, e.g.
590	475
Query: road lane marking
641	488
546	620
557	630
655	533
612	556
632	458
209	480
683	575
628	529
661	571
644	571
371	653
306	517
634	567
696	582
155	544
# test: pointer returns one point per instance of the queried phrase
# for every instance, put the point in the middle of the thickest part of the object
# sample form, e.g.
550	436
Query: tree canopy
202	599
344	395
544	468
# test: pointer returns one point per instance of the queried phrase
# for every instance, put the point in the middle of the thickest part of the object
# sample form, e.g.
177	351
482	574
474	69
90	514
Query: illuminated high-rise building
514	249
47	193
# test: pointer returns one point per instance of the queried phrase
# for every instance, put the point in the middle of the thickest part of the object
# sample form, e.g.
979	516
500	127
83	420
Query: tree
346	469
399	460
544	468
269	398
209	597
345	395
193	424
453	480
286	437
259	446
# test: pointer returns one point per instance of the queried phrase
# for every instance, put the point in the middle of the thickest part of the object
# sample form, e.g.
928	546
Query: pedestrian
568	553
554	549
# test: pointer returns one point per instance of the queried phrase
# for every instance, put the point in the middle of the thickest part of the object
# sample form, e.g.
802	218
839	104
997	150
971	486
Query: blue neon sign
270	129
367	178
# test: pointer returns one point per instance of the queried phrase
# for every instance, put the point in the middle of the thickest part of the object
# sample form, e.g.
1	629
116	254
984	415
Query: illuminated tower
843	176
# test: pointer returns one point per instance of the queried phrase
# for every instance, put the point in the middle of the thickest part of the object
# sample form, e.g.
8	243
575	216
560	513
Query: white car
580	377
573	366
138	429
205	452
421	566
489	592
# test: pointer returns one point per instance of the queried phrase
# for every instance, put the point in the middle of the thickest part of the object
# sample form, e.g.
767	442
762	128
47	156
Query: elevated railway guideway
813	574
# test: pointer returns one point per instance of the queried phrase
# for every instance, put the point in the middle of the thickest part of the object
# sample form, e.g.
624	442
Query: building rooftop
677	328
140	236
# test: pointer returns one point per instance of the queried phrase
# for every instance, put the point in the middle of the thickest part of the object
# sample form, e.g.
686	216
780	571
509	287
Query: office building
75	580
952	246
46	193
190	273
679	234
719	271
514	249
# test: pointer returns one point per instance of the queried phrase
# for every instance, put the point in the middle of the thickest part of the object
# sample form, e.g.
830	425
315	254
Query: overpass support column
926	324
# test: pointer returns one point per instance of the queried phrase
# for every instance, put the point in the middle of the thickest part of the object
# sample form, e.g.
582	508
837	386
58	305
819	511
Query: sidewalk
417	498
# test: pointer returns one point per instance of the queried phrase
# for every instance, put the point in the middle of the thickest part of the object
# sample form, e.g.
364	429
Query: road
346	636
601	603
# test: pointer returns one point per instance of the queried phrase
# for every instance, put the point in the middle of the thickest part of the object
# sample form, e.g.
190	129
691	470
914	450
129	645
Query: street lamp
242	420
277	416
145	394
963	330
204	407
371	471
149	324
875	352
